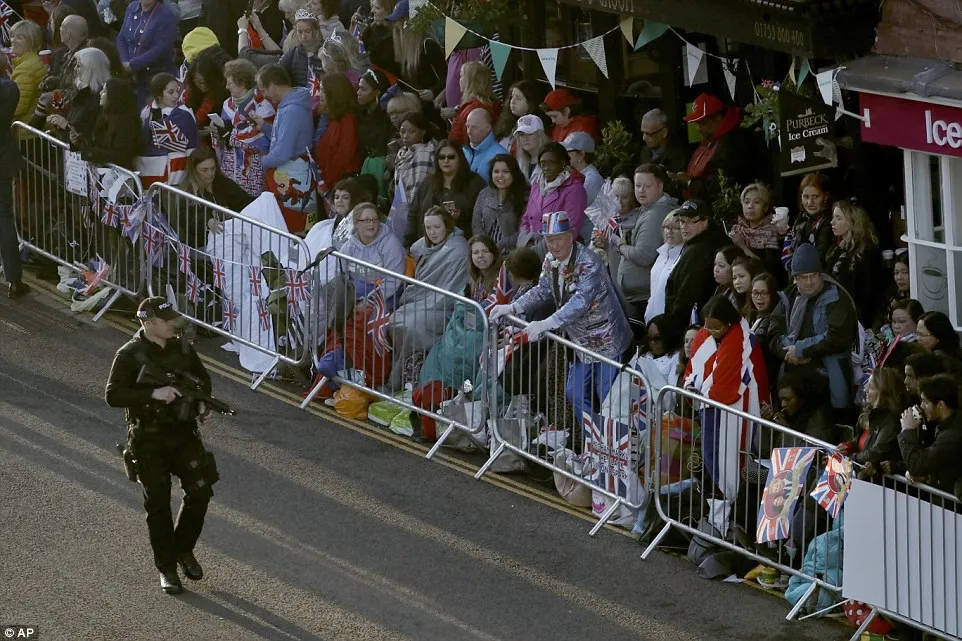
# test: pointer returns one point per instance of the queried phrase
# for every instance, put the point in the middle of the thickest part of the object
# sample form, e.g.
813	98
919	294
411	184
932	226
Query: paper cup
781	213
46	56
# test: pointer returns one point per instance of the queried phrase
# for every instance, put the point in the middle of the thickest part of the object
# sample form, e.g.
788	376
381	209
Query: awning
811	28
899	75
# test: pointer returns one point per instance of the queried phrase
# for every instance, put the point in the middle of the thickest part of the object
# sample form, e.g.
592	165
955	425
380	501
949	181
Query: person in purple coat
146	42
559	188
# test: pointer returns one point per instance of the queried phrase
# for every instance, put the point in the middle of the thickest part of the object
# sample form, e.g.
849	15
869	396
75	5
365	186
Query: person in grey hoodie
638	246
374	243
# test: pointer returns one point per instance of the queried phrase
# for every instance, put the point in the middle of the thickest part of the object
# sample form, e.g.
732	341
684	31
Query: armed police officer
162	436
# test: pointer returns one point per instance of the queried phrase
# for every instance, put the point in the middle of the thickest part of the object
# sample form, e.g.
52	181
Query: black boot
18	289
190	566
416	435
170	582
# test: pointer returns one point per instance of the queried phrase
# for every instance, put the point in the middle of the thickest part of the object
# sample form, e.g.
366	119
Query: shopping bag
573	492
470	414
679	439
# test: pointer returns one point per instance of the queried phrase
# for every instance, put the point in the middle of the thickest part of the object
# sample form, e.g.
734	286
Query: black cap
157	307
692	209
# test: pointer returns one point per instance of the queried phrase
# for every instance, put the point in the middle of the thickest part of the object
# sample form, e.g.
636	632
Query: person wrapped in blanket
240	144
456	358
587	307
359	300
169	131
422	314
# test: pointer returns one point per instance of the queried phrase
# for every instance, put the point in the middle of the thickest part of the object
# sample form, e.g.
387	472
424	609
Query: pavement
320	528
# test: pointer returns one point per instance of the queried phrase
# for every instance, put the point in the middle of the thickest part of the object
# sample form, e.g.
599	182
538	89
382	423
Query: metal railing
729	479
245	279
568	408
75	213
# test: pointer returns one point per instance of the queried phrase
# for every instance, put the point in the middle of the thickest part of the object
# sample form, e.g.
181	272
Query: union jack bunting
263	314
230	316
377	324
193	288
167	135
154	242
501	294
220	276
834	485
254	275
183	259
94	279
786	477
313	82
610	444
297	286
110	216
356	32
5	14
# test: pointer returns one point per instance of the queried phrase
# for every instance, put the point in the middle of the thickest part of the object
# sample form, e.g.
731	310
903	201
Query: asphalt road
318	529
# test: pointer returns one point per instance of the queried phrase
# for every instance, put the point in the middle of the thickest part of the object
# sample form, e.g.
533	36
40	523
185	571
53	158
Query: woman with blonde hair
854	257
26	41
92	73
476	91
420	61
530	138
756	233
339	54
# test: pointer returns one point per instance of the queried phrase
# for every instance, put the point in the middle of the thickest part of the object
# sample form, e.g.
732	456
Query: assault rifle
190	388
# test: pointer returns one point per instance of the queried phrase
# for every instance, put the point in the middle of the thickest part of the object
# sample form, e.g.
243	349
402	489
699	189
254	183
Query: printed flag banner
786	478
613	448
834	485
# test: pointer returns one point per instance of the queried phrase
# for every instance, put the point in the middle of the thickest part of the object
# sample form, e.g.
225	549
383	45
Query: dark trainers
190	566
18	289
170	582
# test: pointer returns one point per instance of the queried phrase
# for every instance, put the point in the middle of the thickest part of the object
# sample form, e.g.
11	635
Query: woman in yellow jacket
26	40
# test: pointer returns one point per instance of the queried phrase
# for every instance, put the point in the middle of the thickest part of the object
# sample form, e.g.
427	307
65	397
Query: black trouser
9	243
183	455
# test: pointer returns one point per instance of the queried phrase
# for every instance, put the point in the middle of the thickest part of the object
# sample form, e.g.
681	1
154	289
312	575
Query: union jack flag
834	485
220	275
59	103
377	324
356	32
254	275
613	228
639	405
182	72
313	82
93	279
5	14
264	314
183	256
230	316
611	446
167	135
786	478
297	286
123	212
515	338
193	288
501	294
787	243
154	241
110	215
317	178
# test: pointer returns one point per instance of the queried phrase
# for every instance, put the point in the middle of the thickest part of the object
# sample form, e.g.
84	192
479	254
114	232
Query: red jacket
338	152
585	122
459	126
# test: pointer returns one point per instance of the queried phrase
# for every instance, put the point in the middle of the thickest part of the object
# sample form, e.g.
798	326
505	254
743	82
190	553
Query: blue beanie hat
806	260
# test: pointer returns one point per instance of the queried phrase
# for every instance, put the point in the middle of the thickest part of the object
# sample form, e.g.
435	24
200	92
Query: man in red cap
566	115
721	149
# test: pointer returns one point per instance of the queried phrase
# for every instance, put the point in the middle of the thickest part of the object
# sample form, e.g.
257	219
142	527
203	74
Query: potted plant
727	207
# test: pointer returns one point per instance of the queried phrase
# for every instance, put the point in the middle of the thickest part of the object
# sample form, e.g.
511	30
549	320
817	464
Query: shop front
928	130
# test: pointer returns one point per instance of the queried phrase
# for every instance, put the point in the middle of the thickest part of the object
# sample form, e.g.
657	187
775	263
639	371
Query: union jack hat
556	223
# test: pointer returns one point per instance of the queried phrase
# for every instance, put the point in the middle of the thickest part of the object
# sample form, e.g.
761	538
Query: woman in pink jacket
559	188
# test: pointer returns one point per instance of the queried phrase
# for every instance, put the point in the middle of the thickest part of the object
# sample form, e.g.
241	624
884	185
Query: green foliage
483	15
616	149
728	206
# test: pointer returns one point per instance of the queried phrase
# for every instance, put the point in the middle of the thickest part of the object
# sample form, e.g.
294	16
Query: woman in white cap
529	139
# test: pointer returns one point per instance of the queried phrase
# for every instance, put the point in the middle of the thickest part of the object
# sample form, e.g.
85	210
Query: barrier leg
108	305
314	392
604	517
654	542
822	611
440	441
867	622
487	464
265	373
801	602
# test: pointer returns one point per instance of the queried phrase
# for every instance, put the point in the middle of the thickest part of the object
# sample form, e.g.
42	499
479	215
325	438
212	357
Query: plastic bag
571	491
351	402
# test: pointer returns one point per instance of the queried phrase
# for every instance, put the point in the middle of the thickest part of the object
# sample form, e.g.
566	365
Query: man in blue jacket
10	152
292	131
483	145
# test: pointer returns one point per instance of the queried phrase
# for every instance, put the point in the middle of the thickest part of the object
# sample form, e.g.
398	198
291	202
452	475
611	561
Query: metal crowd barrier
905	539
711	466
75	213
234	276
579	415
400	340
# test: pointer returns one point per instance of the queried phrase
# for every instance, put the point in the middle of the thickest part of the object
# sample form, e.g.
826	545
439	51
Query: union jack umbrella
254	274
297	286
377	325
183	256
264	314
230	316
193	288
220	276
167	135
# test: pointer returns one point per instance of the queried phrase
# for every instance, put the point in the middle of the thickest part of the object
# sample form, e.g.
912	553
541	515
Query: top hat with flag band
556	223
